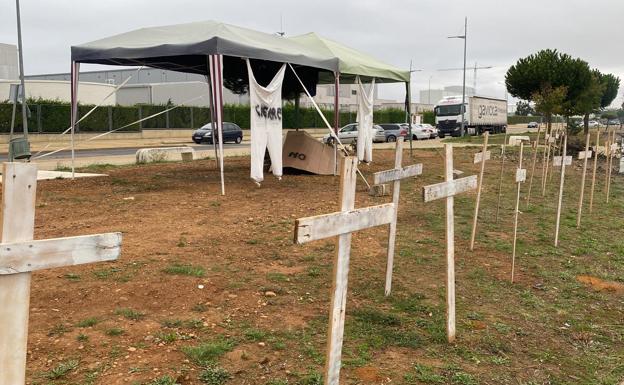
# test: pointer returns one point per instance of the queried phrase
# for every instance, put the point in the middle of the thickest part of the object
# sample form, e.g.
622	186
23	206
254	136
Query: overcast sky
499	32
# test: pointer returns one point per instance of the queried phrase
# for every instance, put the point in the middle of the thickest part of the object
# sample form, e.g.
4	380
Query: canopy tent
215	49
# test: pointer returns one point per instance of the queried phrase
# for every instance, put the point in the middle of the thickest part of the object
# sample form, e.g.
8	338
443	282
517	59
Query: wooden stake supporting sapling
448	189
563	161
520	178
500	178
593	184
395	175
613	147
534	162
341	224
550	139
480	157
20	255
587	154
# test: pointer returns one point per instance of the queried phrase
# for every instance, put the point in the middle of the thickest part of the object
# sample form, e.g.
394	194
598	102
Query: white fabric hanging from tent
266	123
365	121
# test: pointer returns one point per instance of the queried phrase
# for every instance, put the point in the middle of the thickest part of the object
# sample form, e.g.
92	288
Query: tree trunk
586	123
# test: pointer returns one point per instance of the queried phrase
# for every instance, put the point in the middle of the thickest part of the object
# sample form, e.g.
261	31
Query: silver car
348	134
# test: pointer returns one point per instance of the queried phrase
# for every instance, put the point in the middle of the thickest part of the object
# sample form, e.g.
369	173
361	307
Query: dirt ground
212	290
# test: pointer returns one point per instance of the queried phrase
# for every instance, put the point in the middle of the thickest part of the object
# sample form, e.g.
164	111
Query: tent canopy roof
183	48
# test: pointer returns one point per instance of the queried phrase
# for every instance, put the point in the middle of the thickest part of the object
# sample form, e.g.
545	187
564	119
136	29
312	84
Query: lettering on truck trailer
487	110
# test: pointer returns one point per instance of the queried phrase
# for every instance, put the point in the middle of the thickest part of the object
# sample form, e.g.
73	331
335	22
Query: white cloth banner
266	123
365	121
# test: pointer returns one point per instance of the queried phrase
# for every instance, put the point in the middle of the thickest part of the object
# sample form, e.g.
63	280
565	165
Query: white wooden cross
448	189
341	224
520	178
20	255
395	175
585	155
479	157
562	161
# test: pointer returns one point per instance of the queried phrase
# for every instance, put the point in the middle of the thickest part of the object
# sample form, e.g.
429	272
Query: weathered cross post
535	147
593	184
395	176
20	255
479	157
562	161
587	154
520	178
448	189
341	224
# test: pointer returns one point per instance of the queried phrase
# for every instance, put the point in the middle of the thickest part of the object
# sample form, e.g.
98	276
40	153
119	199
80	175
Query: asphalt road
125	151
66	154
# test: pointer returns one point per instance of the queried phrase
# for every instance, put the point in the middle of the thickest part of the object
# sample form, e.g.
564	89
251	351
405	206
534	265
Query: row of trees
559	84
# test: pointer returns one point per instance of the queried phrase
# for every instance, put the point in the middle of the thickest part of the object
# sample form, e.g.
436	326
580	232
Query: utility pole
463	108
429	94
21	69
463	105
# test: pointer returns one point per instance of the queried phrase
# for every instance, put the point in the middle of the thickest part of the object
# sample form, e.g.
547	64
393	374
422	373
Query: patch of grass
62	369
130	314
199	308
376	317
252	334
58	330
214	375
114	332
206	352
185	269
88	322
105	273
311	378
164	380
72	277
276	277
167	337
82	337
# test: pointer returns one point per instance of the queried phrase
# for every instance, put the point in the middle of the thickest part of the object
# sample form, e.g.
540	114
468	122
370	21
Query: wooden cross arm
450	188
397	174
330	225
22	257
479	157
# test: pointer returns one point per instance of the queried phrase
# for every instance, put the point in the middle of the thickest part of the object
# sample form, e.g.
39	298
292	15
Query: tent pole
297	120
75	67
212	116
336	117
408	110
216	77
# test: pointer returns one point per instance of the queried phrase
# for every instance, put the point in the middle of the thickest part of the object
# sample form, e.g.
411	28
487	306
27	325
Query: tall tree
524	108
535	76
549	101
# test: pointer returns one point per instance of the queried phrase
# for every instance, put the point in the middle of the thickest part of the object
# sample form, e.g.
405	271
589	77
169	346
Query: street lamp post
463	108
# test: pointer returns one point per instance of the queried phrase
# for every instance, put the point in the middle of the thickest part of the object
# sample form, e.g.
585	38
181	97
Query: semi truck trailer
480	114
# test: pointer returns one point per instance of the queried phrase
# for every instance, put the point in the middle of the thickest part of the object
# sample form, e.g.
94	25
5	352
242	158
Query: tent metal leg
75	67
216	92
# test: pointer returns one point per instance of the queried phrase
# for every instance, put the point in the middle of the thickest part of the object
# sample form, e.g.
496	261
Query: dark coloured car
231	133
532	125
393	130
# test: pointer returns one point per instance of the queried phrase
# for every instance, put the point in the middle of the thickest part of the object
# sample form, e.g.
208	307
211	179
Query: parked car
593	123
348	134
419	132
431	129
532	125
614	122
393	130
231	133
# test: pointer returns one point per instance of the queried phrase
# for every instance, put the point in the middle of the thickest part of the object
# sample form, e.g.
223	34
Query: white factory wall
88	93
8	61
